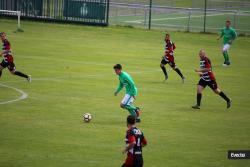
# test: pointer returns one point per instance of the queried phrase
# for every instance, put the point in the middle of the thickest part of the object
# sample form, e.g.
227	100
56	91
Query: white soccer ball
87	117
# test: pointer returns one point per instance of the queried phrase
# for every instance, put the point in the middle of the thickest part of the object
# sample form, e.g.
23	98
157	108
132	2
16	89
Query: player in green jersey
229	35
130	89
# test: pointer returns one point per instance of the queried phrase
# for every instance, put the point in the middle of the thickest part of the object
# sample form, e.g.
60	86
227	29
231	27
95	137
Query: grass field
179	19
72	74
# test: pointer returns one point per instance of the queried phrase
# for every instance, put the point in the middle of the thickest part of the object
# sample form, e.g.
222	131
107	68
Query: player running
168	58
135	140
229	35
8	60
131	92
207	79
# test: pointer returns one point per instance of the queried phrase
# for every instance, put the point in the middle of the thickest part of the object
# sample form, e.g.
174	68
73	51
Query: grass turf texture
72	74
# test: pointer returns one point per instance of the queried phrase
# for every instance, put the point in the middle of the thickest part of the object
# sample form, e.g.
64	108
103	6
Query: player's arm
221	34
144	142
119	88
203	70
132	143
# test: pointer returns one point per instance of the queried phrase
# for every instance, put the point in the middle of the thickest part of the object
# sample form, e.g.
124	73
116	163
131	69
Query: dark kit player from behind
207	79
8	60
168	58
135	140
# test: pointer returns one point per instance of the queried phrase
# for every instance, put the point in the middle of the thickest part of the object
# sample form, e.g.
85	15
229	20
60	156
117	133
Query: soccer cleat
138	119
183	79
196	107
224	65
166	77
228	63
229	103
29	79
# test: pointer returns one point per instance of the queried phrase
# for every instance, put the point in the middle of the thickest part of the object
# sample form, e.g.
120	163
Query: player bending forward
131	91
207	79
135	140
8	60
168	58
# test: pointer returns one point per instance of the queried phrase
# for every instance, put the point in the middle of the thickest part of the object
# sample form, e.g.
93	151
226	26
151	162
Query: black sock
164	70
179	72
0	73
224	96
21	74
199	95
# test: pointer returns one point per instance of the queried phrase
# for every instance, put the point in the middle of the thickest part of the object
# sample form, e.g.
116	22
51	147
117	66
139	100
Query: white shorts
226	47
128	100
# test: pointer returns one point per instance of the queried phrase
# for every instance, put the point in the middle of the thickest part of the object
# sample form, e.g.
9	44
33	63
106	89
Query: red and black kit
134	155
207	78
8	60
169	54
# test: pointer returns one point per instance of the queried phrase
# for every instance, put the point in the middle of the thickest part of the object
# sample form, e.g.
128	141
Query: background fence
82	11
172	15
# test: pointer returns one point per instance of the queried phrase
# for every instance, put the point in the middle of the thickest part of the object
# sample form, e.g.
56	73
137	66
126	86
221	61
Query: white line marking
22	97
174	18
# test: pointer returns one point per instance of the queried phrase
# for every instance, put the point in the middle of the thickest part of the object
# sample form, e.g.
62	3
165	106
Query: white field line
174	18
22	97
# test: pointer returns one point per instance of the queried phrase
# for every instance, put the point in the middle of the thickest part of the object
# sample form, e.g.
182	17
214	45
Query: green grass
72	74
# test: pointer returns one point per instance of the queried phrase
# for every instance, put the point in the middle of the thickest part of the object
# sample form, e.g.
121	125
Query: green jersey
228	34
127	82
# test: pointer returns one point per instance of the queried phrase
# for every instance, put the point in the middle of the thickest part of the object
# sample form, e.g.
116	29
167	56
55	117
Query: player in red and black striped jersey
207	79
135	140
8	60
168	58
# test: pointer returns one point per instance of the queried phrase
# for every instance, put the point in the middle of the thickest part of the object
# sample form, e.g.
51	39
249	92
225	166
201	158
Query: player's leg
3	65
12	69
200	87
225	54
176	69
162	65
216	90
127	104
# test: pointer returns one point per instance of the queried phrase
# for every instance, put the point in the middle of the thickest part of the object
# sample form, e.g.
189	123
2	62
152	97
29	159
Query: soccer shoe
29	79
166	77
228	63
138	120
183	79
224	65
196	107
229	103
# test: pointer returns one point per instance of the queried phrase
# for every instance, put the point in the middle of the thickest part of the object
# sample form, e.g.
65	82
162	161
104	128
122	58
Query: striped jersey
7	57
207	76
169	50
134	135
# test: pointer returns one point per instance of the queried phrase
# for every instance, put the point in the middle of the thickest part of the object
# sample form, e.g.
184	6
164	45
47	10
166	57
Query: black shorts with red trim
171	63
135	161
10	65
212	84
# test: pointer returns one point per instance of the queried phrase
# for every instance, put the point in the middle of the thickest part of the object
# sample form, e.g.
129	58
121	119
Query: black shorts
212	84
171	63
137	162
10	65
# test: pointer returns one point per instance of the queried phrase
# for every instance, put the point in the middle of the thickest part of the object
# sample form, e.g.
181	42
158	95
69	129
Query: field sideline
71	66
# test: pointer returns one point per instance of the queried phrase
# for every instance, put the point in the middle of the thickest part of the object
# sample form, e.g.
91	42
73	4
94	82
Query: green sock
226	56
131	109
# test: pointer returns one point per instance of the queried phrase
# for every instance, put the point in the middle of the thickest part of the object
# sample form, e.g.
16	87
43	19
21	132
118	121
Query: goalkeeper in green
229	35
131	92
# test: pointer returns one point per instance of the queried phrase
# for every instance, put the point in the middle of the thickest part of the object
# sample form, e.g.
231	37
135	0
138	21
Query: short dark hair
118	66
131	120
228	21
2	33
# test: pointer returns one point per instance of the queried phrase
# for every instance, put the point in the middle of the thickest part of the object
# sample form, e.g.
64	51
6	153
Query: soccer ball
87	117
